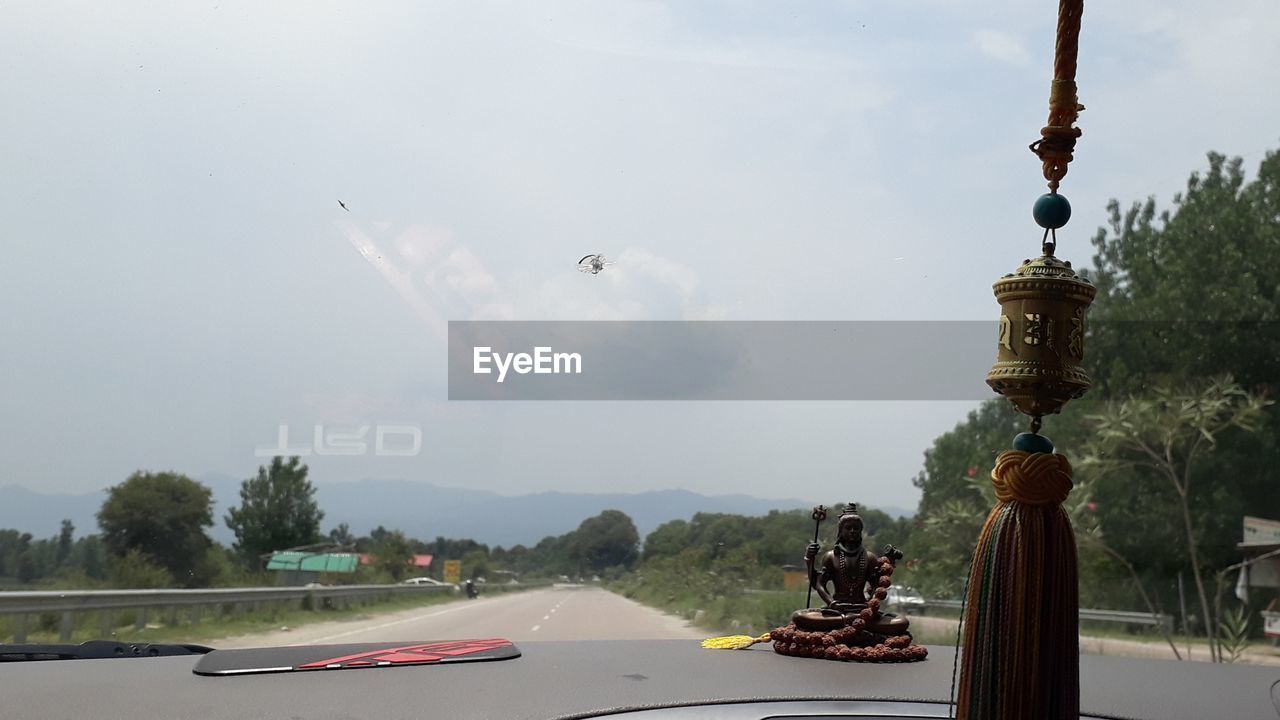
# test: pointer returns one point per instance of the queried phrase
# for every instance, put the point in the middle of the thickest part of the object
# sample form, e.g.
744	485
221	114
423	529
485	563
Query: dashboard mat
579	679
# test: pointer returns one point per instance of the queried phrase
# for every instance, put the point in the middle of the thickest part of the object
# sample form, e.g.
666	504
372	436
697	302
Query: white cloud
1001	46
640	285
707	312
736	163
434	275
647	265
493	311
464	273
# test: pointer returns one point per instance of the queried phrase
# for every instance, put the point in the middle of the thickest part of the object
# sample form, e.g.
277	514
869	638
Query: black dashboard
635	680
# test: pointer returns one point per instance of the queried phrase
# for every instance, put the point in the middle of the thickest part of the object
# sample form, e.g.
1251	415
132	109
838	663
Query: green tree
342	536
163	516
12	544
1080	508
607	540
135	569
393	554
549	557
89	557
475	564
668	539
454	549
1165	436
278	510
952	505
1188	291
17	556
65	542
373	539
27	570
1183	293
969	449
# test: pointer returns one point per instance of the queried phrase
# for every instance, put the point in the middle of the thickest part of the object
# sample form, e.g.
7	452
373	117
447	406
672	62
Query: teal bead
1032	443
1051	211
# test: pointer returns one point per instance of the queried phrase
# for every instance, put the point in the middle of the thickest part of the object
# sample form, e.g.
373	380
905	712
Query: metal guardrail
21	605
1116	616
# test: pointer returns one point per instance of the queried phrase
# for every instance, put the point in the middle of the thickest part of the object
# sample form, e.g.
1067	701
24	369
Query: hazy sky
178	279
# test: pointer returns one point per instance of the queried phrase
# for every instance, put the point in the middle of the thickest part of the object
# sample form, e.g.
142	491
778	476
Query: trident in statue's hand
893	554
811	553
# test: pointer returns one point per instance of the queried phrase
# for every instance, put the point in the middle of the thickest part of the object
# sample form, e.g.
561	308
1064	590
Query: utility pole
1182	602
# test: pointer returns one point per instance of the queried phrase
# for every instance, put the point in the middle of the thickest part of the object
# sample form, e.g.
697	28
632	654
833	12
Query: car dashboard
628	680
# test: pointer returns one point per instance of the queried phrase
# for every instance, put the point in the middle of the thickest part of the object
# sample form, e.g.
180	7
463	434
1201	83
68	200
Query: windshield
577	310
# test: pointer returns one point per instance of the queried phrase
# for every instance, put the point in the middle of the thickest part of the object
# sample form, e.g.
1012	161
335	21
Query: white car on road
905	600
428	581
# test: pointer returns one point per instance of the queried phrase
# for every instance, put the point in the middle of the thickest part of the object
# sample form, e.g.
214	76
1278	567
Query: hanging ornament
1020	655
1041	342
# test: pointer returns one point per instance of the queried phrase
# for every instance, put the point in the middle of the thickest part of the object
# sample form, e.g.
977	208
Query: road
942	631
561	613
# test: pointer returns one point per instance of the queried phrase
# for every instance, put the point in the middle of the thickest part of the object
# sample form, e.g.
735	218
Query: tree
1182	292
373	539
163	516
393	553
89	557
454	549
1181	296
953	504
26	567
476	564
607	540
342	536
668	539
973	444
135	569
1080	508
277	510
1164	435
12	544
65	542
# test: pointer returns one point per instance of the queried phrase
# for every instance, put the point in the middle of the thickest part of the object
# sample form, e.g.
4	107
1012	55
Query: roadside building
420	562
1260	570
296	568
794	577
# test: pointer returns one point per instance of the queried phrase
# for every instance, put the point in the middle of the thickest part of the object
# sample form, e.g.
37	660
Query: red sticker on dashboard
360	655
409	654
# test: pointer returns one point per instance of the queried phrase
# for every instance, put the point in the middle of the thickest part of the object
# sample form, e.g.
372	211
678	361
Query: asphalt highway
559	613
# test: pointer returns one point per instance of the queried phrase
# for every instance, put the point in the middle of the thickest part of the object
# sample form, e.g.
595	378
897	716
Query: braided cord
1058	137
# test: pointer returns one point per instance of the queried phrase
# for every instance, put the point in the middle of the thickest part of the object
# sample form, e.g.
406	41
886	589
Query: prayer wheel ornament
1041	343
1020	655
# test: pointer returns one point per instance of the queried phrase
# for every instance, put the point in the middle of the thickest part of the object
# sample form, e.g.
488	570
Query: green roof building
299	568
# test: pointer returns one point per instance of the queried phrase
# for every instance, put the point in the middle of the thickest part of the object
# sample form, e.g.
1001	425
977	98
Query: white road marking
393	623
546	617
534	628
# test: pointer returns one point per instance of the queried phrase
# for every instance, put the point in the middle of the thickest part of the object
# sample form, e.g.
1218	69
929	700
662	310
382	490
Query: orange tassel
1021	622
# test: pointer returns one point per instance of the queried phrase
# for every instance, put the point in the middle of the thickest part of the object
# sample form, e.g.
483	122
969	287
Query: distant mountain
41	514
895	511
426	511
420	509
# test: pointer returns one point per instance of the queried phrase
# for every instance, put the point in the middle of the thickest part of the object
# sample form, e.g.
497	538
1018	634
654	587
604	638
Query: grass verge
201	626
749	613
